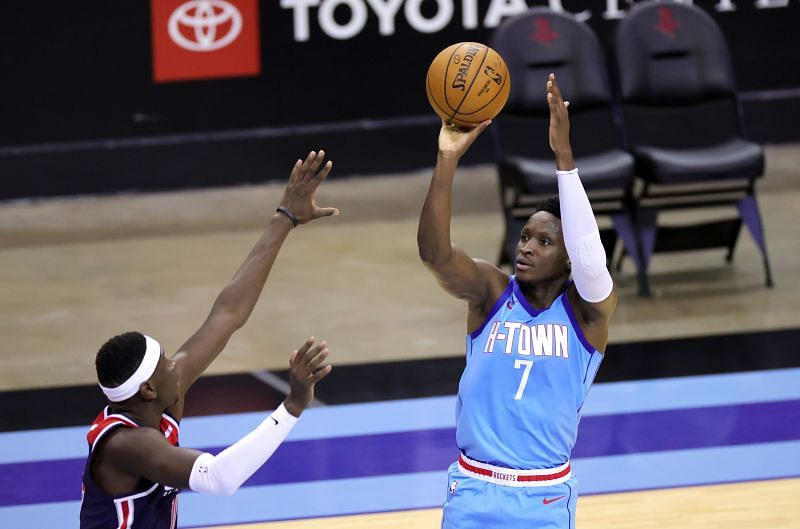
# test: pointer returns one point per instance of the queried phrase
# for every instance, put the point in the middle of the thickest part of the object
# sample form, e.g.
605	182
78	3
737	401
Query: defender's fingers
321	373
326	212
313	352
326	169
318	359
294	175
305	347
304	170
318	158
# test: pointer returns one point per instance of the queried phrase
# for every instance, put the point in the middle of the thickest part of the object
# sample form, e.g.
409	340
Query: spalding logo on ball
467	84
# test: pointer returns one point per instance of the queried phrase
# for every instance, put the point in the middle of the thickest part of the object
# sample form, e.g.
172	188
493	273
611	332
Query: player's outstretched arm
460	275
144	452
597	295
235	302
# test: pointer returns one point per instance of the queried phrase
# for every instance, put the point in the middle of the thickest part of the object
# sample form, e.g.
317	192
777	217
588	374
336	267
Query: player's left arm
593	292
236	301
145	452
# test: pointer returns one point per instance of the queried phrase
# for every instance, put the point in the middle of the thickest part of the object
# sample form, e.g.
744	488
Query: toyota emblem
204	25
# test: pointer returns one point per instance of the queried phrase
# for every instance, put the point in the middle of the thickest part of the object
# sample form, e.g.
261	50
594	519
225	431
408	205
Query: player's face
541	255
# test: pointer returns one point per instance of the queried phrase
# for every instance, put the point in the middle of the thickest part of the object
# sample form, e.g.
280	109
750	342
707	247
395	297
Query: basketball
467	83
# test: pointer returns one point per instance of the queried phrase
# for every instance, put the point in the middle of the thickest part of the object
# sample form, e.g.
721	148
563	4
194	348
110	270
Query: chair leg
636	228
647	222
622	255
731	248
608	237
748	209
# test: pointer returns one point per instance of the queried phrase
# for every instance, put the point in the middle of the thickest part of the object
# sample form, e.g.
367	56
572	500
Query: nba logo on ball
205	39
467	83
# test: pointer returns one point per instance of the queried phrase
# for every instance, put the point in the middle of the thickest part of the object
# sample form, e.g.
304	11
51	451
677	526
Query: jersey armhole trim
575	323
495	308
112	425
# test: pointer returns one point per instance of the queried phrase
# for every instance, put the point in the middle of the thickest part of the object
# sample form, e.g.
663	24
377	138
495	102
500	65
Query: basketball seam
505	79
432	99
483	60
444	82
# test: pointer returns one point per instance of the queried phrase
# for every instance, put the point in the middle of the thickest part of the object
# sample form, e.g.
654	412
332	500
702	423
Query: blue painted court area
393	455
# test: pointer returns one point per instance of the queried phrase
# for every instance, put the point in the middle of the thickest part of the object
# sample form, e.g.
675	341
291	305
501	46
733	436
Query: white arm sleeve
582	239
224	473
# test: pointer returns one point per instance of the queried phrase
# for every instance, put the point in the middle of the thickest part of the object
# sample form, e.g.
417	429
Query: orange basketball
467	84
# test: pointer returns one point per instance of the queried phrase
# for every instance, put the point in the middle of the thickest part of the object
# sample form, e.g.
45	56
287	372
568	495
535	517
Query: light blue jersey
528	372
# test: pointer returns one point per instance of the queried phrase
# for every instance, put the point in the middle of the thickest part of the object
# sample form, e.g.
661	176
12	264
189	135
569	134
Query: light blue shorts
472	503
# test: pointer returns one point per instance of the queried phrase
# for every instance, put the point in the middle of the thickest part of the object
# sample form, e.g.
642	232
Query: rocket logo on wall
204	39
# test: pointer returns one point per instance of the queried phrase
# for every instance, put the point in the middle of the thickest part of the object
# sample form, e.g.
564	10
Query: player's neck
143	413
542	294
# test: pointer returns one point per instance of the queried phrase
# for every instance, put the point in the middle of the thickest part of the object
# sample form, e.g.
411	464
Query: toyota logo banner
204	39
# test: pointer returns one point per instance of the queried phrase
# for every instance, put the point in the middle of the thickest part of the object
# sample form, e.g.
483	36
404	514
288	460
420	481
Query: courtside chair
683	126
534	44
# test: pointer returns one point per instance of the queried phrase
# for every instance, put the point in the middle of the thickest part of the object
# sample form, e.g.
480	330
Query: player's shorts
487	504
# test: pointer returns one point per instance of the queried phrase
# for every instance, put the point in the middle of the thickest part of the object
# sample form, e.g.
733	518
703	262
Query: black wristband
289	214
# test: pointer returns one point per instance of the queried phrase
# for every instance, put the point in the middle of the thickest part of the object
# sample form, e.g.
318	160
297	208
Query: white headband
130	387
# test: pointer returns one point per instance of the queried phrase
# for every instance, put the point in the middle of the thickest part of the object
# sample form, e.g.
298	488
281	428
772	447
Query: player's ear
148	390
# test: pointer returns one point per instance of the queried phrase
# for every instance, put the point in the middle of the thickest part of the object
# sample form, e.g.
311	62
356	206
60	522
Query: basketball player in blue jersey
535	341
135	467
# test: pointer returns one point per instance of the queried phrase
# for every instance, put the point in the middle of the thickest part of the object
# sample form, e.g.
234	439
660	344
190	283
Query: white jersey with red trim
150	506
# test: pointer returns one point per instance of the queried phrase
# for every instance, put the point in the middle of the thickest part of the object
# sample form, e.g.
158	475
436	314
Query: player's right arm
472	280
145	452
236	301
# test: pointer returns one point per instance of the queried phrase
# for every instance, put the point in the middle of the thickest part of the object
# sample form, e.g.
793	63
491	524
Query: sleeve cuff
571	171
282	415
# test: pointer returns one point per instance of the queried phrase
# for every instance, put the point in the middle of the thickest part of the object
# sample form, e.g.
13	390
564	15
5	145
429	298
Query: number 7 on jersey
522	383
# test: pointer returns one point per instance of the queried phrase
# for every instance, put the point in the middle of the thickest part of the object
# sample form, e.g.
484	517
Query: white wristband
571	171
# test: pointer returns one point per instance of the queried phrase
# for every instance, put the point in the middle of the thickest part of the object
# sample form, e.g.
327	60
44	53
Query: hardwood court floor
752	505
74	272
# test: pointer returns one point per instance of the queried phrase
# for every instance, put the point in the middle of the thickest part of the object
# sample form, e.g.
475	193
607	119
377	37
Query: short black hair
119	358
550	205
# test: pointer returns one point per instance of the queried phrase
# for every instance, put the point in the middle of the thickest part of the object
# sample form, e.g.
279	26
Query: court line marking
275	382
428	489
346	420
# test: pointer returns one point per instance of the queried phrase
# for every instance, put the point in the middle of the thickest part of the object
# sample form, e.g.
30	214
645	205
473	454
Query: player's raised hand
306	368
305	178
454	141
559	117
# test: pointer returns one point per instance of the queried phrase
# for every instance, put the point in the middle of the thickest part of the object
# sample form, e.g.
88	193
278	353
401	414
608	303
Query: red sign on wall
204	39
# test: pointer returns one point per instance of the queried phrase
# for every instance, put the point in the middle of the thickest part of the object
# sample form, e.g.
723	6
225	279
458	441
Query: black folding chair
533	45
682	123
